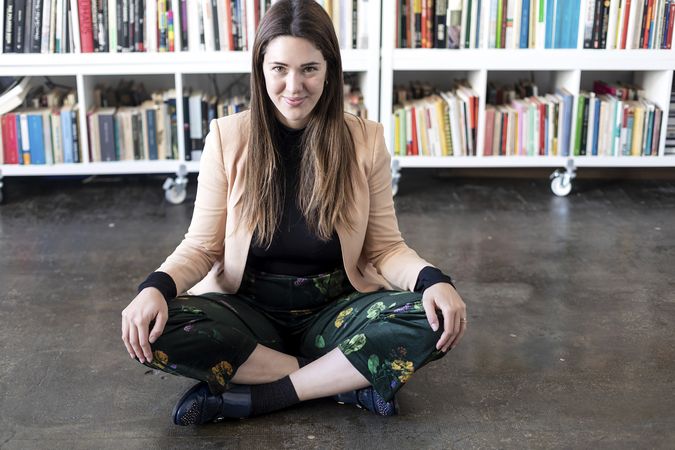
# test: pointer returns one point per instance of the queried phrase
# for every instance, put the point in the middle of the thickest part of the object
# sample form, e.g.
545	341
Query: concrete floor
570	300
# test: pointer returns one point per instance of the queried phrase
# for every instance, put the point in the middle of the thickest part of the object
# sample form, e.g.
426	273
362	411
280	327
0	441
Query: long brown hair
325	192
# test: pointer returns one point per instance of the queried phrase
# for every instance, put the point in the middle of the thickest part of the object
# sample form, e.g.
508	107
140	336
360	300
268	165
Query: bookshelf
574	69
178	70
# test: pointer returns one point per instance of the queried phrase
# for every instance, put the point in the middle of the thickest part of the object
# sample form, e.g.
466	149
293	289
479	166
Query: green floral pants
384	334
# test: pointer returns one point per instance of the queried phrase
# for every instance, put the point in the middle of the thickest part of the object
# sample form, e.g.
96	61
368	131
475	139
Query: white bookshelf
574	69
177	70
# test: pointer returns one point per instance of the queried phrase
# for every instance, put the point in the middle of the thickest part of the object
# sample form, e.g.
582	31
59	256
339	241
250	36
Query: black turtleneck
294	249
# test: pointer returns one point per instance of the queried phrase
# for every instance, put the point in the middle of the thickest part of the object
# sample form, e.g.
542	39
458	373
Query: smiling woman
295	74
294	280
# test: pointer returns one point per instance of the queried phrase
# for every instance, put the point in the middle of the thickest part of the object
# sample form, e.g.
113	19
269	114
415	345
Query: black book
588	38
440	25
597	23
355	30
36	27
183	25
138	25
584	126
605	24
27	24
103	28
119	6
216	32
124	18
8	37
95	23
19	24
403	24
186	128
132	25
644	25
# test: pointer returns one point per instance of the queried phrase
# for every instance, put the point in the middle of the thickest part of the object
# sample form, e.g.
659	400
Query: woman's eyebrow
278	63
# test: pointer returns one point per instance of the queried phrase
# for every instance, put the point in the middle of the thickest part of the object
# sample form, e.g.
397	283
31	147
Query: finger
458	338
133	340
432	318
449	329
125	337
160	322
143	341
456	326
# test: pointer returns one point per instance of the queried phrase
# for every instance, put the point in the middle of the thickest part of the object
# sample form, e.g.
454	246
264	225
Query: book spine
19	24
86	28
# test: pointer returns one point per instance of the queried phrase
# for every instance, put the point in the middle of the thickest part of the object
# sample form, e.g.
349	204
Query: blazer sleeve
203	243
384	246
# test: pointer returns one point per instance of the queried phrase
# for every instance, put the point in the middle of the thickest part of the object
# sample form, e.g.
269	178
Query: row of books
443	124
65	26
536	125
437	23
629	24
511	23
533	23
610	126
40	136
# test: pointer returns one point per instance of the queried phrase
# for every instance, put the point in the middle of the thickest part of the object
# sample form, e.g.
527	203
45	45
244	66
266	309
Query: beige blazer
212	256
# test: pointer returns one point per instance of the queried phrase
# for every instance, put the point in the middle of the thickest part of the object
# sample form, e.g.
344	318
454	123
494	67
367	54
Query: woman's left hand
443	297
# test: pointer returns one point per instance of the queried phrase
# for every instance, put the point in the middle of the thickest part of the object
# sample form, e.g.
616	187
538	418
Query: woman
307	289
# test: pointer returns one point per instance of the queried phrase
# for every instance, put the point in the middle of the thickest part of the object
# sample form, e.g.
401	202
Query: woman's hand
444	297
148	305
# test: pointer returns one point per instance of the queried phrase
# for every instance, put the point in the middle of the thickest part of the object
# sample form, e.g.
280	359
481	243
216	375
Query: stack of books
436	124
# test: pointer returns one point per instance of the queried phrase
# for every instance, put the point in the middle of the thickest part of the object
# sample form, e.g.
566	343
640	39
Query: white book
588	24
474	24
616	131
177	28
193	25
492	32
112	26
346	8
509	15
250	24
362	24
151	21
612	25
58	44
224	36
74	27
464	22
515	39
658	36
195	111
46	23
209	32
540	25
52	25
635	43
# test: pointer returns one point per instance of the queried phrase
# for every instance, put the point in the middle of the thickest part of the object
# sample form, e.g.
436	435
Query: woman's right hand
148	305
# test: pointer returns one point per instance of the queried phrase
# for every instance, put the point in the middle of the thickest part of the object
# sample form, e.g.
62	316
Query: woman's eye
277	69
310	69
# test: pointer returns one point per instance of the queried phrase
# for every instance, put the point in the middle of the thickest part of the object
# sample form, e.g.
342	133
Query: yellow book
638	126
422	128
438	104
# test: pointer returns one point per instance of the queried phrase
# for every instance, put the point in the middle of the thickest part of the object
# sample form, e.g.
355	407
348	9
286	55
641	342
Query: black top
294	249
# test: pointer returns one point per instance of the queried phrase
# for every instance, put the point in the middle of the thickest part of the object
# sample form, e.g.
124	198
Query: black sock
302	361
270	397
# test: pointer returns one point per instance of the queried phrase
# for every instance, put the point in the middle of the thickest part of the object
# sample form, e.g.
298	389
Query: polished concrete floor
571	303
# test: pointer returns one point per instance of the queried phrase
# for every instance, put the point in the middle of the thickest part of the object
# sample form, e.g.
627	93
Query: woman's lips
294	101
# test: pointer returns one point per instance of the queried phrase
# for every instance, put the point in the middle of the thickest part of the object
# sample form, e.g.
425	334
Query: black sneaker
368	398
198	405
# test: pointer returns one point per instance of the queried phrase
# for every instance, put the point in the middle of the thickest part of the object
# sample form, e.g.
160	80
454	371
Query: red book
624	32
489	130
542	127
86	26
505	128
425	38
9	141
413	114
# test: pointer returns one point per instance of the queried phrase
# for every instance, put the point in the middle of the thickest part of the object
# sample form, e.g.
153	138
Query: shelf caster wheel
561	183
175	191
395	177
561	179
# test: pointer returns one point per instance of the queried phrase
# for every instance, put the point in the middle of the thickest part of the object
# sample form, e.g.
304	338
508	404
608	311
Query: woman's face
295	73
